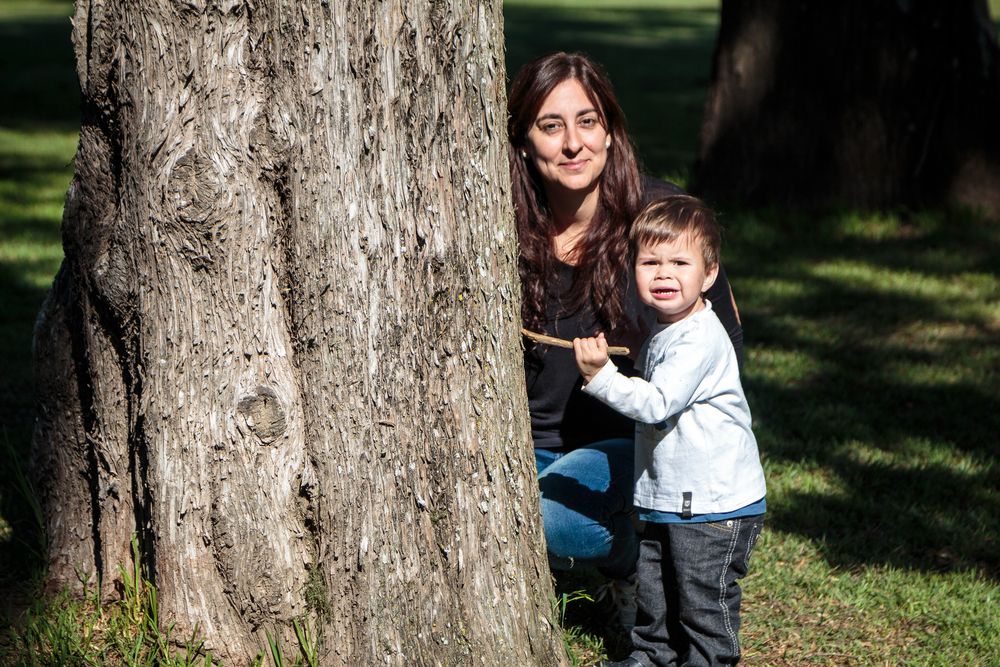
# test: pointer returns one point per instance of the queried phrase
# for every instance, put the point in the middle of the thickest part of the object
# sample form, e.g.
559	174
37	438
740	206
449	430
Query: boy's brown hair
668	218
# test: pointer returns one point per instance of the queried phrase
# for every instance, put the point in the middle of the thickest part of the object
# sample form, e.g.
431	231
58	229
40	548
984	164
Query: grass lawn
872	372
872	359
39	117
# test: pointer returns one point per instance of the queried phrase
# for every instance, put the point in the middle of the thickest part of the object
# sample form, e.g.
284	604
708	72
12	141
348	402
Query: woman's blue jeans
586	502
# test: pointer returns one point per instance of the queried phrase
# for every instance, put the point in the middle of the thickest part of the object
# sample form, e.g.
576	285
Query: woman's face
567	142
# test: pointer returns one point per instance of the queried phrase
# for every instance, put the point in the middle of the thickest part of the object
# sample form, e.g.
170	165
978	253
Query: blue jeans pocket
726	526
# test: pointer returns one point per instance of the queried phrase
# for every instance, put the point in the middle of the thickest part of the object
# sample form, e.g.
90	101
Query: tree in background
282	348
862	103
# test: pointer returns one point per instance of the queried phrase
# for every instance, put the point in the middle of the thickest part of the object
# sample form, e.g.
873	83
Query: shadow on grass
876	374
39	87
21	557
658	59
873	363
40	96
19	553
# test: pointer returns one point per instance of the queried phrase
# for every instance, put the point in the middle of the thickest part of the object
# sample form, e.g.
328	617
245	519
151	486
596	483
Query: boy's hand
591	355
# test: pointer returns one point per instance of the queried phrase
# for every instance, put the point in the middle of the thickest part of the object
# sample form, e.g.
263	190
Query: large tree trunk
862	103
283	346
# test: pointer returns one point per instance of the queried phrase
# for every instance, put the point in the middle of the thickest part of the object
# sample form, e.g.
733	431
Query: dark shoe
621	593
627	662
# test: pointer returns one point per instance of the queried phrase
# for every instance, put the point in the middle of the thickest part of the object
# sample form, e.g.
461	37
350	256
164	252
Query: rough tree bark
866	103
282	348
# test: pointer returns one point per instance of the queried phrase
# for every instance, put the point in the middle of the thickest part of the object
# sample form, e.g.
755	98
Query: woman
576	189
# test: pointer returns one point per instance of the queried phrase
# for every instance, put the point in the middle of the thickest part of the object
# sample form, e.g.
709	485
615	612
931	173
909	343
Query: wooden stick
559	342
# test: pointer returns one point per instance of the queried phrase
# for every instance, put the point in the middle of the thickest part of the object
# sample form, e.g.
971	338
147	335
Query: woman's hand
591	355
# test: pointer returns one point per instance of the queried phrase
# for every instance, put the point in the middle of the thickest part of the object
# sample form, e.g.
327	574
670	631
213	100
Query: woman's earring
524	154
607	142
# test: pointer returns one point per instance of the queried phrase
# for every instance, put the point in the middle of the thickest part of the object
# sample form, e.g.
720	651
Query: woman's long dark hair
602	258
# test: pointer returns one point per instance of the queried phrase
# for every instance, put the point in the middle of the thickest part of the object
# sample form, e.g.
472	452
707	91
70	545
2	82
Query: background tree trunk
283	346
862	103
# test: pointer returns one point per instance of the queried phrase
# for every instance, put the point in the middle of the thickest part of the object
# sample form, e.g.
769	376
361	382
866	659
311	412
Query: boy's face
671	277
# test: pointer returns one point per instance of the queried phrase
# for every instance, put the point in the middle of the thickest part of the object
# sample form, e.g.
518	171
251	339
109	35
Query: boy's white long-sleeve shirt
693	429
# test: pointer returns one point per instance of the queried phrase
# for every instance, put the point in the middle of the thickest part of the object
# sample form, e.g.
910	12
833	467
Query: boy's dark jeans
689	592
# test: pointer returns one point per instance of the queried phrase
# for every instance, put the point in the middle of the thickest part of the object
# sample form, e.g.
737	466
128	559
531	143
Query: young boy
699	485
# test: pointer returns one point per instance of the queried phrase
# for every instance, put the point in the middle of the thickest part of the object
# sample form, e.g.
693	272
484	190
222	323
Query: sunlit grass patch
871	368
35	171
789	367
36	148
876	279
876	615
919	454
931	374
932	337
34	10
779	289
877	227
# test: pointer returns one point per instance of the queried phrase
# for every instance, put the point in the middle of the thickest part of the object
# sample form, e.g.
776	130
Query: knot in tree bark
197	189
264	414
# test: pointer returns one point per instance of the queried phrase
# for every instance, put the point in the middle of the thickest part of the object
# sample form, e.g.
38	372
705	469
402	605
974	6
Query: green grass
80	630
872	374
38	119
583	647
872	371
69	630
